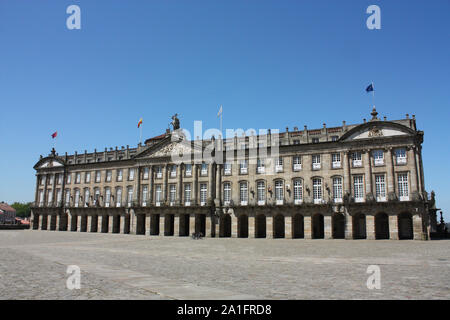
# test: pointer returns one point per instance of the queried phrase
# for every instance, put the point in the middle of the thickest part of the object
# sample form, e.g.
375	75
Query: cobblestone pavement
113	266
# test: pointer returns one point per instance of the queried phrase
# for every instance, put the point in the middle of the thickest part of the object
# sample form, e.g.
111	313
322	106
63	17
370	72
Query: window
335	160
69	178
145	173
77	197
67	198
86	197
296	142
98	176
129	196
188	170
173	171
261	192
243	166
400	156
58	197
378	157
334	138
42	180
279	194
41	198
298	191
380	187
78	177
243	193
358	188
110	158
187	194
96	196
403	192
107	197
279	164
204	169
158	171
99	159
315	140
87	177
131	174
260	166
118	197
203	193
144	195
316	161
337	189
158	192
297	161
227	168
59	180
50	181
119	175
226	193
172	193
317	190
49	197
356	159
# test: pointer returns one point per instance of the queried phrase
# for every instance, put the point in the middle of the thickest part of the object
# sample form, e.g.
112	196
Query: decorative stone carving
375	132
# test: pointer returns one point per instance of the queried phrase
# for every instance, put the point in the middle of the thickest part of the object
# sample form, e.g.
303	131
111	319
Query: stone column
110	223
192	223
89	223
347	182
251	227
393	227
211	182
417	227
413	173
58	222
215	227
307	222
368	173
348	227
234	226
180	187
122	223
327	227
176	225
162	224
79	218
39	223
151	188
269	227
418	170
218	181
133	222
148	224
208	227
195	184
288	227
370	227
390	173
165	183
99	223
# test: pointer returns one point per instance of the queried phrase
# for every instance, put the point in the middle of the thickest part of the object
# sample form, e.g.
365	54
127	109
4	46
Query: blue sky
271	64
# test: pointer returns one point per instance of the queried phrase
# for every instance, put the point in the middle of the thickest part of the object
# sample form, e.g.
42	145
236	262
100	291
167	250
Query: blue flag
369	88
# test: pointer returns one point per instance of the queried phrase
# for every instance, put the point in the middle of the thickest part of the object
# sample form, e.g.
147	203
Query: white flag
220	112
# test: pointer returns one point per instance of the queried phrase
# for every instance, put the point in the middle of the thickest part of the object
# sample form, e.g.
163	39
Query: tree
23	210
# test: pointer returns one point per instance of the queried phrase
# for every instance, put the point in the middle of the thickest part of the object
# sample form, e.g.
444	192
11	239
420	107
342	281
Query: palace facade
362	181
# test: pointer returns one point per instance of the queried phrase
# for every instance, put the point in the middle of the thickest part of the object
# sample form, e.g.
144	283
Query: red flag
54	134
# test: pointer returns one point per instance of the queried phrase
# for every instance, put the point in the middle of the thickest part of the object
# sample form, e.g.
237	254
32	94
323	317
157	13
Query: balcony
337	200
404	198
381	199
278	168
158	203
298	201
260	170
204	172
244	203
401	160
336	164
187	203
318	201
297	167
357	163
144	203
203	203
379	162
159	175
243	170
316	166
261	202
279	202
227	171
188	173
359	200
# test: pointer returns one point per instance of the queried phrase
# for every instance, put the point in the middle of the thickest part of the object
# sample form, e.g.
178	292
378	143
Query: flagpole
140	134
373	95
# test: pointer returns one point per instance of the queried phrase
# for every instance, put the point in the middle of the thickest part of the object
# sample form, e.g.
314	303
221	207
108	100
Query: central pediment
167	149
377	129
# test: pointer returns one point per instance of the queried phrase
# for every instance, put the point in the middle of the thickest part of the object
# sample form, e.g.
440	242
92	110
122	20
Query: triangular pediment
376	129
49	162
168	148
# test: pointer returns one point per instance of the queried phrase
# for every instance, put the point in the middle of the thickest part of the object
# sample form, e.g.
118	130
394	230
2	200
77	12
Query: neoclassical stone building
361	181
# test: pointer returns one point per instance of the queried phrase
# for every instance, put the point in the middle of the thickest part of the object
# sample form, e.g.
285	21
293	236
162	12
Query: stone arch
53	222
338	226
36	221
225	226
381	226
169	222
44	222
200	224
243	226
154	224
278	226
94	223
298	226
359	226
73	222
83	224
140	224
116	223
184	225
260	226
405	226
105	223
318	230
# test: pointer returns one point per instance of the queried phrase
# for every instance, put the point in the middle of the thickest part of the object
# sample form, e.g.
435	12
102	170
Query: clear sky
271	64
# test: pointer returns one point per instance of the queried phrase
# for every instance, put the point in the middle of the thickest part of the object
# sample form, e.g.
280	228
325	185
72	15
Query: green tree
22	209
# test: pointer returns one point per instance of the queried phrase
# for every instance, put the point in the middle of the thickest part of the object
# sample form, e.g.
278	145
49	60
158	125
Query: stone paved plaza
33	265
